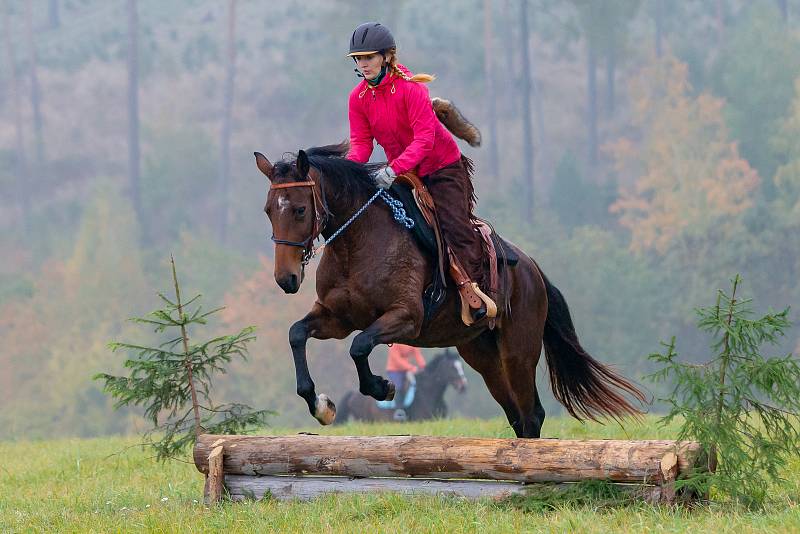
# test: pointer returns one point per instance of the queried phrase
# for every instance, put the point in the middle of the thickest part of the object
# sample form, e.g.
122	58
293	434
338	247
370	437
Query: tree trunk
659	18
783	5
53	14
243	487
225	136
611	71
491	97
591	74
538	111
527	148
36	91
133	118
22	186
522	460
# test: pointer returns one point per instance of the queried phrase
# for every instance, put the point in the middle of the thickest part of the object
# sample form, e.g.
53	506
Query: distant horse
443	370
372	276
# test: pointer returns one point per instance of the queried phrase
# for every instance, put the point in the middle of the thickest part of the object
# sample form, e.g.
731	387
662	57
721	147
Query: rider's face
369	65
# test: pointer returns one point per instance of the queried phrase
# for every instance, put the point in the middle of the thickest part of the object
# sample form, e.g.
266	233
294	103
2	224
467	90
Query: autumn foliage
682	171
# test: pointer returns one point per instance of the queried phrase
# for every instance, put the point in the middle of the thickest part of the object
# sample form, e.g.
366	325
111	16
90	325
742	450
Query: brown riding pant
453	195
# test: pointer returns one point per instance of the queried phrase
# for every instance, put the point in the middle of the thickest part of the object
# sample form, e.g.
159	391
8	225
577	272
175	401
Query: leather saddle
419	206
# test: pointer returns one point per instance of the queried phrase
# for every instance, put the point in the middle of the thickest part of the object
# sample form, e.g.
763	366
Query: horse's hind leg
519	341
519	367
319	324
395	324
483	355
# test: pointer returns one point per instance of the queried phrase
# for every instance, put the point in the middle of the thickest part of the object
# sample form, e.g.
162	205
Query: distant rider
400	369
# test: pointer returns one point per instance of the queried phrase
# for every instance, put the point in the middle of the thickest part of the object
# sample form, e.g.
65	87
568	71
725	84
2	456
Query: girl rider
392	107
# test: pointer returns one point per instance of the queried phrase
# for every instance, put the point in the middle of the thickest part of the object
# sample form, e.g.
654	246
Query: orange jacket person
399	363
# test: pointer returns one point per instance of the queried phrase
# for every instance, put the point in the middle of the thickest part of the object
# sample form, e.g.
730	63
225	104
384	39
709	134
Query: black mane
441	357
342	176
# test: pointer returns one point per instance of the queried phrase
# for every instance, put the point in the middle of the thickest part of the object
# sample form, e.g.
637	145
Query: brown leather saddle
409	188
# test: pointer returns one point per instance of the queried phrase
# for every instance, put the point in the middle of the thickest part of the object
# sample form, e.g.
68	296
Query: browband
309	183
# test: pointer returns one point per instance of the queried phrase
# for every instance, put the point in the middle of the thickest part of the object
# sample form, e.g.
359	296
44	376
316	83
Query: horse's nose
289	284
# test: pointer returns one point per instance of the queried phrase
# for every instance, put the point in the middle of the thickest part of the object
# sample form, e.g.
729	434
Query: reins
309	251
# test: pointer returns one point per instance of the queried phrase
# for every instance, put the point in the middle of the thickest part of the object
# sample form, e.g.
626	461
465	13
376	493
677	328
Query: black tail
343	409
587	388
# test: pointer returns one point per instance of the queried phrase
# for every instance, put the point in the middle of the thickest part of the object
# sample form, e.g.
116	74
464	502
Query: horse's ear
263	164
302	164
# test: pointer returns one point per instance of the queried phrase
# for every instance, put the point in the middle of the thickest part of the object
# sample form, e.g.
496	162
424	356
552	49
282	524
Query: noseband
308	244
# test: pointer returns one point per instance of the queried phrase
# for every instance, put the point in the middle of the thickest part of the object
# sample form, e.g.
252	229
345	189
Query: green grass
110	485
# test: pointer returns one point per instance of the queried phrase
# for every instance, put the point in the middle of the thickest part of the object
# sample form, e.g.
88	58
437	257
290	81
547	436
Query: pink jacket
398	115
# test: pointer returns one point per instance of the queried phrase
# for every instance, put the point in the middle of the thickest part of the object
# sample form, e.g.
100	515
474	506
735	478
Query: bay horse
445	369
371	278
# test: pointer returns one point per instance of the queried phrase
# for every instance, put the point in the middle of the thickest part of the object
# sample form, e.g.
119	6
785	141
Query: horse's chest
345	296
360	292
353	300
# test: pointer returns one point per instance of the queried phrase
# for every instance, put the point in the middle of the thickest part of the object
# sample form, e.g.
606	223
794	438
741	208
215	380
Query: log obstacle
305	466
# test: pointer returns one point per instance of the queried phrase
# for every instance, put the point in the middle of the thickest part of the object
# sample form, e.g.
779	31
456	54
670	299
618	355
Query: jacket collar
388	80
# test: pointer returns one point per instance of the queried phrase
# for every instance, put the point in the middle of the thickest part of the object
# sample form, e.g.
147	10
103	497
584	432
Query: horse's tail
587	388
343	409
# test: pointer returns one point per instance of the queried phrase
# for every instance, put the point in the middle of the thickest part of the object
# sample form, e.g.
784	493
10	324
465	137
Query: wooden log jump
304	466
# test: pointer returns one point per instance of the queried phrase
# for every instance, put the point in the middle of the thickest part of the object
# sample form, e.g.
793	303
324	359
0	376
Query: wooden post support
669	472
215	477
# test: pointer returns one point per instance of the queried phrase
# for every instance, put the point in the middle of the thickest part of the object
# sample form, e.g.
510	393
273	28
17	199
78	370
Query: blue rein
398	213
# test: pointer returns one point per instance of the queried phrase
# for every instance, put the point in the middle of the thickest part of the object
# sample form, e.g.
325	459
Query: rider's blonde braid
391	59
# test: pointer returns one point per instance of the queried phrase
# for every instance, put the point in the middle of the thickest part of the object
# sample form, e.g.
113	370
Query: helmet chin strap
358	72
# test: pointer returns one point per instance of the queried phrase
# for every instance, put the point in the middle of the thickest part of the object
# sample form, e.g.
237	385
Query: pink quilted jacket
398	115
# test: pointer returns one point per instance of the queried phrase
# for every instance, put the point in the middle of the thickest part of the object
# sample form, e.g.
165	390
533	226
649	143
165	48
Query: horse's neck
340	210
429	395
428	386
361	232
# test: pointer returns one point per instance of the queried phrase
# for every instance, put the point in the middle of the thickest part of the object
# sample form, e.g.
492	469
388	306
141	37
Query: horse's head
449	369
295	211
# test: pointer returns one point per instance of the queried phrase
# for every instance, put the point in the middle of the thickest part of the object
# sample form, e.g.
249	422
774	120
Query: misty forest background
643	151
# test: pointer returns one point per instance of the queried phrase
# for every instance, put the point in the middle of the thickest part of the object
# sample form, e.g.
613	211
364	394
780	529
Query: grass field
111	485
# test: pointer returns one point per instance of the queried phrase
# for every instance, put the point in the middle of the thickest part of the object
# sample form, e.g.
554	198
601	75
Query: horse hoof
391	390
324	410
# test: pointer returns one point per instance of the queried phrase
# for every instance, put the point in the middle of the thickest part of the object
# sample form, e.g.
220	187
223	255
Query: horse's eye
299	212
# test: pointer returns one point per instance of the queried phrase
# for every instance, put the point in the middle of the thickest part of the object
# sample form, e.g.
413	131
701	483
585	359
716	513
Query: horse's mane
345	176
440	357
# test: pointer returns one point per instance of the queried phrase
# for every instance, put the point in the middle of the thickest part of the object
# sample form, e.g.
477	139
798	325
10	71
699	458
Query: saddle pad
425	236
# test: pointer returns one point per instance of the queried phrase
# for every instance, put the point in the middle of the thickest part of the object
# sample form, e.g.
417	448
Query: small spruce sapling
741	406
172	381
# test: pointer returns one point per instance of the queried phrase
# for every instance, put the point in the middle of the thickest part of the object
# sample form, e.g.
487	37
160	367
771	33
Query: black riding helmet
370	38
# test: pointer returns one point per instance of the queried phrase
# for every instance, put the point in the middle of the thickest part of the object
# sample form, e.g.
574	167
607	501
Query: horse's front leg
399	323
320	323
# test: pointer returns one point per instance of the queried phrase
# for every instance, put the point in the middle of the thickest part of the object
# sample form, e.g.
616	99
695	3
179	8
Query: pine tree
173	380
741	406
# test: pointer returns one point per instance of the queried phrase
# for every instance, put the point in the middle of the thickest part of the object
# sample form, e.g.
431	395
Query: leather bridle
318	213
321	213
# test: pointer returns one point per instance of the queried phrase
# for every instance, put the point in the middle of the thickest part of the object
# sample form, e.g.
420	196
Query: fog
644	152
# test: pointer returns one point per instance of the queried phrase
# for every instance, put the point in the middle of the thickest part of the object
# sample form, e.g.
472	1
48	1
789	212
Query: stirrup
472	298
